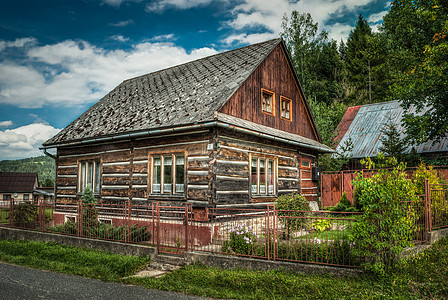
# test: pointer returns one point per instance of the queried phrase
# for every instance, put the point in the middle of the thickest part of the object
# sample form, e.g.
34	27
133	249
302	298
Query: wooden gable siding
275	75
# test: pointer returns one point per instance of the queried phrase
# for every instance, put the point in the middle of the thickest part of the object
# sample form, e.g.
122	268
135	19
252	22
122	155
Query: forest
42	165
406	60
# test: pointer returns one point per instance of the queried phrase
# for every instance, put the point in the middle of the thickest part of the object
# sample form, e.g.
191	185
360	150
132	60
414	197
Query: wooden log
195	194
198	180
115	180
66	181
232	185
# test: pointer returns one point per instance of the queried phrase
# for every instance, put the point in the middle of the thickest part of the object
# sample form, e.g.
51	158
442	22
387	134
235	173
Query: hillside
43	165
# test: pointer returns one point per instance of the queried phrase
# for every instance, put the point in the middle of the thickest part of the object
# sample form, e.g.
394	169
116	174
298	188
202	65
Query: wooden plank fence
334	184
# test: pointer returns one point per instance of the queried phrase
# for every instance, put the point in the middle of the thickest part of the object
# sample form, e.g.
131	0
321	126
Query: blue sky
58	57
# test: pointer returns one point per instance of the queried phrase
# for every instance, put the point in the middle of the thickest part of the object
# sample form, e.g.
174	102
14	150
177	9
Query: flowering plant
242	240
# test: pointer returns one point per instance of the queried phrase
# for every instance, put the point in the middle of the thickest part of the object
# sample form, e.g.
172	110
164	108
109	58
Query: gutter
271	137
55	170
132	135
183	128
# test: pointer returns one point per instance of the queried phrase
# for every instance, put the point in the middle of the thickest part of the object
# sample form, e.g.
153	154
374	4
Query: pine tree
357	60
393	144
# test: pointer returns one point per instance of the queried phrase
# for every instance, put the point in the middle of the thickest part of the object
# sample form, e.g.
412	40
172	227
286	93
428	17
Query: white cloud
122	23
18	43
78	72
378	17
119	38
161	5
117	3
268	14
24	141
5	123
339	31
163	37
250	38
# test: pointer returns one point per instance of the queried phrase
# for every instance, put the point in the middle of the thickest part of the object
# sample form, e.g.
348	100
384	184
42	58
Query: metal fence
320	237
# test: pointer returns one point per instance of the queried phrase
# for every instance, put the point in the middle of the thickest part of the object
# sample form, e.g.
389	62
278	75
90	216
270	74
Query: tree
385	228
357	59
315	58
392	143
418	30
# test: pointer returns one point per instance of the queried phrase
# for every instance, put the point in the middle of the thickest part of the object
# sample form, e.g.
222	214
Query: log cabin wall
274	75
232	169
125	168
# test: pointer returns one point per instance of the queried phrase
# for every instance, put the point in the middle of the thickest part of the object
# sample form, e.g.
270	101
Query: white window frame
69	217
161	190
268	191
83	175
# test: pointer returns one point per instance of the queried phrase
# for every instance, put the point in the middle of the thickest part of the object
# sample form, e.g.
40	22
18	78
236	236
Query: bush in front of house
292	209
132	233
344	205
387	225
242	241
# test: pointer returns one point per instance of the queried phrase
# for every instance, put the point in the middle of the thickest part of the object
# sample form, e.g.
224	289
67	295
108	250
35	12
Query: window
105	221
71	219
168	173
285	108
306	164
6	196
89	175
26	196
262	176
267	102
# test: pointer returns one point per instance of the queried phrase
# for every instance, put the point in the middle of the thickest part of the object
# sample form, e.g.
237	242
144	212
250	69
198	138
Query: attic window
285	108
267	101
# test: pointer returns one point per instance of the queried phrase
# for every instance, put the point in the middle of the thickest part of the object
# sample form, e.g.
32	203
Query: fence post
274	230
188	230
429	214
158	225
11	212
80	229
41	214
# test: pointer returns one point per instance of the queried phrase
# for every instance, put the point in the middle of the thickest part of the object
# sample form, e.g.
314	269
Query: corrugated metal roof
347	119
365	130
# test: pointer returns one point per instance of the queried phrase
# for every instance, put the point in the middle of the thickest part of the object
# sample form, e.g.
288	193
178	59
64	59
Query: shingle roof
365	130
17	182
282	135
184	94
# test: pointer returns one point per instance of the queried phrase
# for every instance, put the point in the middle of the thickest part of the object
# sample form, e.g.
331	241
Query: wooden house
229	129
19	186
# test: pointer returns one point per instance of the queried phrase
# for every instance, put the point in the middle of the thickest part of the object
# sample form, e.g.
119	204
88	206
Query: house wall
217	168
232	172
275	75
19	195
125	168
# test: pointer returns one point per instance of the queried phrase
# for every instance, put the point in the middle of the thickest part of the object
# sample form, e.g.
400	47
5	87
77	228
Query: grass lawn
422	277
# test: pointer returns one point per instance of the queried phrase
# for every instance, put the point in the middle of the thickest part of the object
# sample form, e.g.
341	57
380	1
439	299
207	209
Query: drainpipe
55	170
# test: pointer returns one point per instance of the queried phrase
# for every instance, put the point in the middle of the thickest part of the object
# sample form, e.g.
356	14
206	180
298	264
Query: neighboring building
363	125
18	186
229	129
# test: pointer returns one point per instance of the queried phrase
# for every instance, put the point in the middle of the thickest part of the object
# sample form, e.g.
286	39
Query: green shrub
25	215
387	225
89	213
132	233
344	205
292	205
242	240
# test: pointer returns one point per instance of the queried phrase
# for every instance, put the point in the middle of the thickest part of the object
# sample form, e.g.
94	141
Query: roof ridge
202	58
